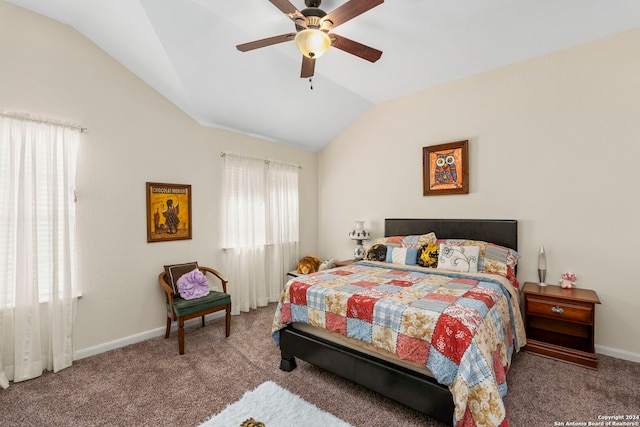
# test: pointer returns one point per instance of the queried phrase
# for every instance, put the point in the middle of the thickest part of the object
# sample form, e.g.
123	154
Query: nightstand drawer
560	310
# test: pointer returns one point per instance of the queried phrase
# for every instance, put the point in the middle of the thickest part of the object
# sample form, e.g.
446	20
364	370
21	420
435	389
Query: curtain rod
222	154
43	120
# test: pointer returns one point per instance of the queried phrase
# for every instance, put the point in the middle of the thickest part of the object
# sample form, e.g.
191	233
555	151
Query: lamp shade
312	43
358	232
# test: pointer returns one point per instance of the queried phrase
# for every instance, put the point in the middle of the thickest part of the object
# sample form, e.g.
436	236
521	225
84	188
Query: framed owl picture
445	168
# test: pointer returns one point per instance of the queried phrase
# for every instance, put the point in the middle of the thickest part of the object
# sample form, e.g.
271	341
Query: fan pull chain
311	83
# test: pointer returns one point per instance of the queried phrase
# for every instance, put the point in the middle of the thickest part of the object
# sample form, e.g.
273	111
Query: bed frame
408	387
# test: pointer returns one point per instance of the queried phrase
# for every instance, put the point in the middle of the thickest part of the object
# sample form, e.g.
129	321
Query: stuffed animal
327	264
568	280
308	264
377	252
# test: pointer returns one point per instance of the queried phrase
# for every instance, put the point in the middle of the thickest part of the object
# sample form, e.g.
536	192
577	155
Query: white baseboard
142	336
617	353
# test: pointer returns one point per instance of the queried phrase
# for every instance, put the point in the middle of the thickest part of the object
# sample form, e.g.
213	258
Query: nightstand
560	323
293	273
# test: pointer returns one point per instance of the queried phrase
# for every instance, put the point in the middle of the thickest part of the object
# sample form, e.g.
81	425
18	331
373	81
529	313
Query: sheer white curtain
38	274
260	228
283	239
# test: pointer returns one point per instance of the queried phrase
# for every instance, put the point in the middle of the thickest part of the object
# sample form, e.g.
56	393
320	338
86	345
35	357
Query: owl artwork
445	170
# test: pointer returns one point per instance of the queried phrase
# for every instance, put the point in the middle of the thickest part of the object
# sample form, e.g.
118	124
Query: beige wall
135	135
553	142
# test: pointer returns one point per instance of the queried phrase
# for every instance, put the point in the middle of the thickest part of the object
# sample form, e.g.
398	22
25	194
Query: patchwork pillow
407	256
428	255
496	259
377	253
175	271
407	241
458	258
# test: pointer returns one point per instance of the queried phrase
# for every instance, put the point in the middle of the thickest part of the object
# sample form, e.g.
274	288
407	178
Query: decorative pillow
407	241
175	271
500	260
459	258
406	256
428	255
377	253
493	258
193	284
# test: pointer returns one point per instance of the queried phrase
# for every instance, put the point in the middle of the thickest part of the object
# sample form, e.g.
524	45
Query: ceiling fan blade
350	10
355	48
266	42
288	9
308	67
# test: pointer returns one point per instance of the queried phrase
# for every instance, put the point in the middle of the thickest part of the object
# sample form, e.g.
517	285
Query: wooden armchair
180	309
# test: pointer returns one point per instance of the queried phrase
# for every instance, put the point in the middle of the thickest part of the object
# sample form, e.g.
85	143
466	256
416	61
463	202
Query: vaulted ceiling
186	50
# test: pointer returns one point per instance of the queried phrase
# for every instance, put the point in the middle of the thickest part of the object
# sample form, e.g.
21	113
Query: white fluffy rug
275	407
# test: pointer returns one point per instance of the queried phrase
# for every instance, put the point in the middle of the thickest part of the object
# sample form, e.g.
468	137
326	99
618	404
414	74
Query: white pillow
458	258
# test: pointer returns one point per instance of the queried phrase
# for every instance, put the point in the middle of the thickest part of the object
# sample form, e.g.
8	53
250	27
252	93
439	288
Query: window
261	228
37	209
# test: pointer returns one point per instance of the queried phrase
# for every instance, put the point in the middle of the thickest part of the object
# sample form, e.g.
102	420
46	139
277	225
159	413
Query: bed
403	367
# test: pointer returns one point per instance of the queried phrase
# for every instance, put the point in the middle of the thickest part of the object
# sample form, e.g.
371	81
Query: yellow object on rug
252	423
274	406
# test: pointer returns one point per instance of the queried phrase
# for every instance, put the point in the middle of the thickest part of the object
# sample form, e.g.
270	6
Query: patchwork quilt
464	327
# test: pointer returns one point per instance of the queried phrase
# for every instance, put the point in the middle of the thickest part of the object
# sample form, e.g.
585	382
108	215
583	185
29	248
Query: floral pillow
428	255
407	241
458	258
493	258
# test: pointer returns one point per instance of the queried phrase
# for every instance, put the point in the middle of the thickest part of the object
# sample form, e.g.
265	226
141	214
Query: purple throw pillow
193	285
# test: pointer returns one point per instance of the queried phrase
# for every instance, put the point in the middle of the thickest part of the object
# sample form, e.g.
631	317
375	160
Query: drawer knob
557	310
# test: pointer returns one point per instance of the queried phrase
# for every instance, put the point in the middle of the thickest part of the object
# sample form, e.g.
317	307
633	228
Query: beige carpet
149	384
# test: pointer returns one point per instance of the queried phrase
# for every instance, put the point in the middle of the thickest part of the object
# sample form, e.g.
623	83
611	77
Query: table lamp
359	234
542	266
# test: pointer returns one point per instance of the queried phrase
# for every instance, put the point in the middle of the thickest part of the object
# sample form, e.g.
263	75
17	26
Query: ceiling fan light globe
312	43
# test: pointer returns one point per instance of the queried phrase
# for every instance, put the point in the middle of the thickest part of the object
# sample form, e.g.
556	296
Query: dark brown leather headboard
498	231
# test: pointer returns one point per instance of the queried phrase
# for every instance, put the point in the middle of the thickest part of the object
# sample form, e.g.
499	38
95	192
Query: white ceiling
185	49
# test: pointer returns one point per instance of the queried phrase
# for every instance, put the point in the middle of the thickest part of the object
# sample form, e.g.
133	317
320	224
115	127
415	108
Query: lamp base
542	274
359	252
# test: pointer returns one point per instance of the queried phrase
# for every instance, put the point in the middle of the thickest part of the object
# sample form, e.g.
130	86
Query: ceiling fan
313	36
